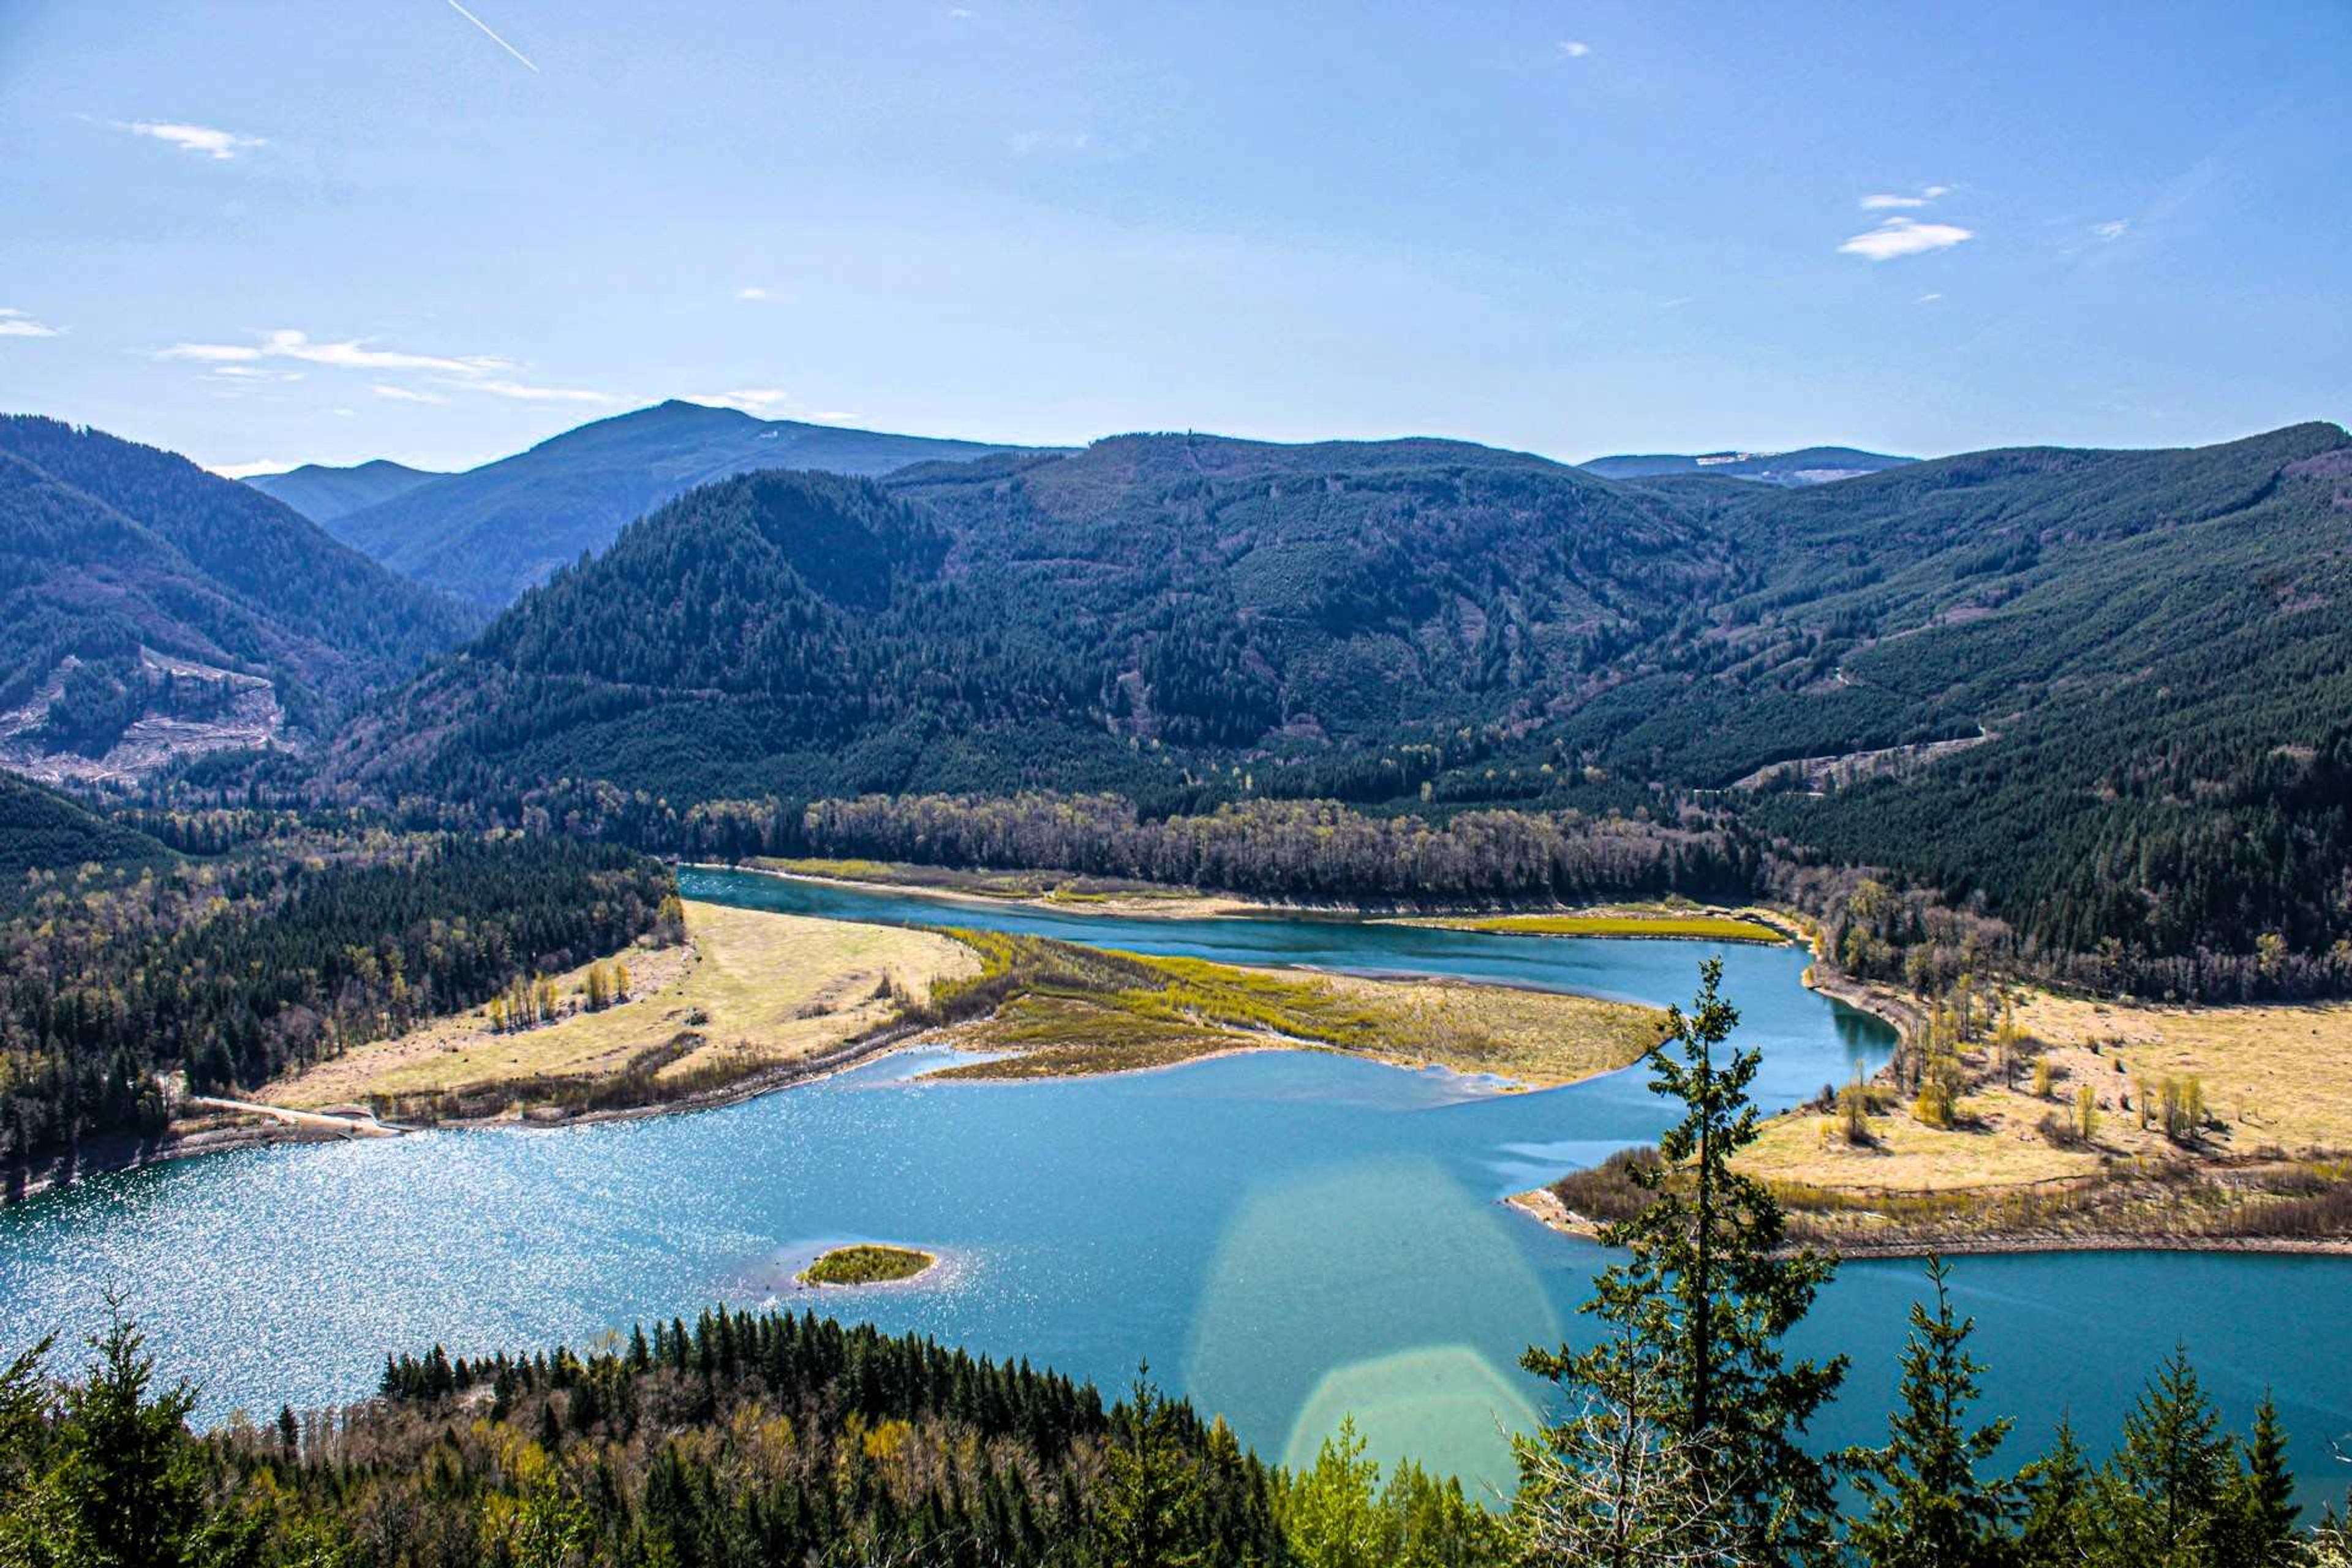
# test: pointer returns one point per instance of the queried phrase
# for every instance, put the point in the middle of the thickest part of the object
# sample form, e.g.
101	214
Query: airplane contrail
493	36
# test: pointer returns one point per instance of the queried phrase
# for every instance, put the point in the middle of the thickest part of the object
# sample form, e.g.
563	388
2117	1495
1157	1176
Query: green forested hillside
2098	698
43	830
1130	616
489	533
134	583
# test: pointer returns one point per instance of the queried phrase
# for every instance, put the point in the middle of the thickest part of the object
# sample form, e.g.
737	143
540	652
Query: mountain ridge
488	533
143	598
2009	642
323	491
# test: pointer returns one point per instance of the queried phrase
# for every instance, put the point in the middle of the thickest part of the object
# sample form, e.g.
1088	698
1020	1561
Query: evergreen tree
1704	1300
1330	1512
1928	1508
2261	1507
123	1492
1151	1513
2057	1491
2161	1496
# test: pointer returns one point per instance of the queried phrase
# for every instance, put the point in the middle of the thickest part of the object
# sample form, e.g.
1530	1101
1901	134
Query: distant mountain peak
322	491
489	533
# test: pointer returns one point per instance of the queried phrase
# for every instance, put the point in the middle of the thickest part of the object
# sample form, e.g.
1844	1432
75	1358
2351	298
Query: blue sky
258	232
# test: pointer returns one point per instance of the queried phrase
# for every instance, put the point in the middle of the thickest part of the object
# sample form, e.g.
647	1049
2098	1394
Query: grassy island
1695	927
867	1264
1063	1011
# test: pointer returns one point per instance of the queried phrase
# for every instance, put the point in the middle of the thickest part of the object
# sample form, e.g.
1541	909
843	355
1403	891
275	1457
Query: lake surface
1286	1236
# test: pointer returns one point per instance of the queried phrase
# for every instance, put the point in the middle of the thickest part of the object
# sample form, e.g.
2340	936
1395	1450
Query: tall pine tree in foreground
2161	1498
1694	1385
1926	1507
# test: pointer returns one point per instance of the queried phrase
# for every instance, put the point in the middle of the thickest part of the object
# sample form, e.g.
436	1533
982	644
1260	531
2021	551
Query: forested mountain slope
2106	694
41	830
148	608
1107	618
323	493
2159	643
489	533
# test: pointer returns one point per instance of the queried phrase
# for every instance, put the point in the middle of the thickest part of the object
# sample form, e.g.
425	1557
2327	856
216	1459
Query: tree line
230	972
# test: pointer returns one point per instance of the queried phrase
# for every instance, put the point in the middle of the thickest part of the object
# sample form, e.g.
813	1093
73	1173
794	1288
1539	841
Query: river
1285	1235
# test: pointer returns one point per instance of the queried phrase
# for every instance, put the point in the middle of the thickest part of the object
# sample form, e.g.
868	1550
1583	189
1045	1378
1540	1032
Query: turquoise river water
1285	1235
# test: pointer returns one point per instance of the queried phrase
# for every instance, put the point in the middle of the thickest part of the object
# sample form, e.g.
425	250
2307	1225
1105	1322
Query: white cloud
1929	298
2113	228
287	344
467	373
213	143
247	471
958	12
831	417
253	373
354	355
1574	49
211	353
522	394
1884	201
763	400
750	291
1899	237
16	324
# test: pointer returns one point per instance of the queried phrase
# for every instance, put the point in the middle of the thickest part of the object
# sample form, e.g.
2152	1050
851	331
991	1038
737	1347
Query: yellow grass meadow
761	989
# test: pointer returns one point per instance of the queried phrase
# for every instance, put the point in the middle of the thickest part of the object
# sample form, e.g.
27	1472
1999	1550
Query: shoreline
1190	904
1186	906
82	1166
777	1079
282	1128
1542	1205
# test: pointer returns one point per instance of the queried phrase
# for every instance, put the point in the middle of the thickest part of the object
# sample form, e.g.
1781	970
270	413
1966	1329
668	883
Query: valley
1078	786
1294	847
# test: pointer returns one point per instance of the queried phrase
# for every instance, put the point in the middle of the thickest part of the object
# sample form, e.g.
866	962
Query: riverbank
2138	1211
197	1125
1067	893
2074	1125
755	1001
751	1001
1641	924
1062	892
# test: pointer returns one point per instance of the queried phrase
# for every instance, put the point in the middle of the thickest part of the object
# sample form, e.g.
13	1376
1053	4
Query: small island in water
867	1264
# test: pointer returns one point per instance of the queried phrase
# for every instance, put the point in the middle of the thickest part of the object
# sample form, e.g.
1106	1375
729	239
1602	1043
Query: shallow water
1286	1236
